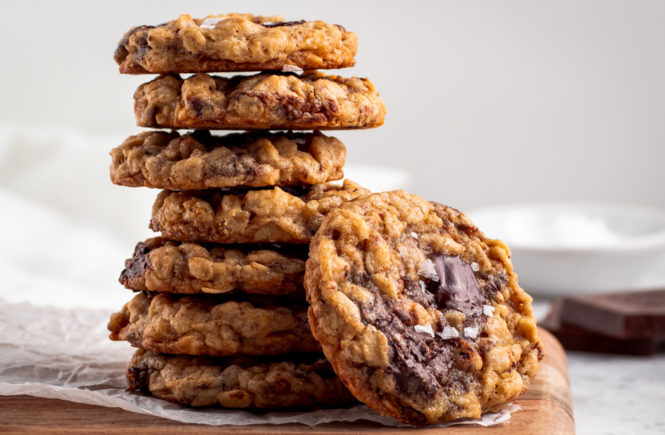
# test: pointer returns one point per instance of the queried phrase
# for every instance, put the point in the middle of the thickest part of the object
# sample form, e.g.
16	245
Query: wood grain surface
546	409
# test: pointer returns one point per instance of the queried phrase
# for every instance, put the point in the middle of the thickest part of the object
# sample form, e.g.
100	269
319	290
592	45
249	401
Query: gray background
488	101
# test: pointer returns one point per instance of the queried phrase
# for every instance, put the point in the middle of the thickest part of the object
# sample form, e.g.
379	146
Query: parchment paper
65	354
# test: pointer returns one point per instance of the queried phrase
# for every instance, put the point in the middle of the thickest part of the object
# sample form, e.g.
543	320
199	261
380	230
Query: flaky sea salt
428	270
448	332
292	68
422	286
210	23
488	310
475	266
471	332
414	235
427	329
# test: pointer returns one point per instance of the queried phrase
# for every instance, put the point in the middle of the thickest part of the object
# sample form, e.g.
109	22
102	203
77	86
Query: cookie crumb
448	332
471	332
427	329
488	310
427	270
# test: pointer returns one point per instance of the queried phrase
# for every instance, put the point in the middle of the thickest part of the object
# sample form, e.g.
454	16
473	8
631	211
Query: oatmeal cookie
419	313
202	325
161	265
280	382
278	215
202	161
234	42
279	101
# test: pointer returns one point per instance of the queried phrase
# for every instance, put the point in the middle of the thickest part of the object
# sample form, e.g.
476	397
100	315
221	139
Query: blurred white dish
568	247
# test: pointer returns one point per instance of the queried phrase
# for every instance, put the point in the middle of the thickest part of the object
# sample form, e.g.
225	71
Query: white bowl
567	247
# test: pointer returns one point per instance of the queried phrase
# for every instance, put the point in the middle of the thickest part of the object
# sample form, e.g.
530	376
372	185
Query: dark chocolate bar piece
635	314
575	338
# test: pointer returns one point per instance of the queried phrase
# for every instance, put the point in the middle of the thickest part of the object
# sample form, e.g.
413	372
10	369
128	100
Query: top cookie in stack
216	284
235	42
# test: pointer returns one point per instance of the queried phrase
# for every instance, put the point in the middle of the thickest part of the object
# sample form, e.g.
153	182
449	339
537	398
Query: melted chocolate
423	364
457	287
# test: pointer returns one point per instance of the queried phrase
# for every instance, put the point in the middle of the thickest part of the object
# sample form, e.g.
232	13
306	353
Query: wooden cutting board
546	409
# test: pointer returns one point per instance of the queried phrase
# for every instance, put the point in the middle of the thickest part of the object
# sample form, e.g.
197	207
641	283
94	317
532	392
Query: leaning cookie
234	42
280	382
192	325
265	101
161	265
419	313
202	161
278	215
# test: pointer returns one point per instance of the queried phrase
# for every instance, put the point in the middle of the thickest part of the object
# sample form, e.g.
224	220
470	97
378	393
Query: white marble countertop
615	394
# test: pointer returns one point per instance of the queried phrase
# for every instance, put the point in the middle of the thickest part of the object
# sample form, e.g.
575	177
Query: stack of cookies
220	315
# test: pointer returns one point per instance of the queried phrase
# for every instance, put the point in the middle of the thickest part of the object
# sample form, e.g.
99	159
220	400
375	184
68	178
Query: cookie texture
234	42
240	382
278	215
191	325
202	161
419	313
278	101
161	265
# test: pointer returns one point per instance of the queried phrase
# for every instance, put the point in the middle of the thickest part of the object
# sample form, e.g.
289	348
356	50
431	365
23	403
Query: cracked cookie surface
161	265
241	382
256	216
419	313
201	325
312	101
234	42
202	161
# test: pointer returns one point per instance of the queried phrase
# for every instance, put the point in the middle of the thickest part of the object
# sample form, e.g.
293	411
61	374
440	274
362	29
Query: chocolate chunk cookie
202	161
419	313
266	101
234	42
166	266
278	215
202	325
280	382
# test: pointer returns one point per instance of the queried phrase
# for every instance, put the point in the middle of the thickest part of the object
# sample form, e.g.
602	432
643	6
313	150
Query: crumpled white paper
61	353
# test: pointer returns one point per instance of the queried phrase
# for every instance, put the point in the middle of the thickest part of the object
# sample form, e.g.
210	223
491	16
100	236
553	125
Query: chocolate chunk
283	23
635	314
575	338
137	265
138	378
457	287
